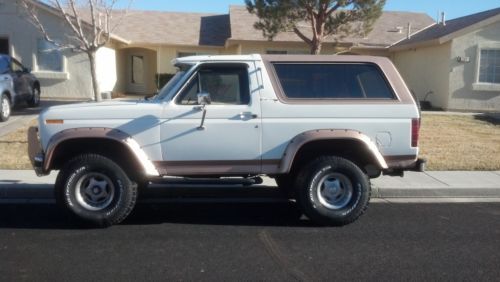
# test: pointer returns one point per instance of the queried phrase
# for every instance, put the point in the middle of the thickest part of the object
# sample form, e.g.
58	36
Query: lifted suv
322	126
17	84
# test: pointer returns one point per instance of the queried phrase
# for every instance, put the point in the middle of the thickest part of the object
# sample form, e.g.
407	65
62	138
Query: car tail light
415	129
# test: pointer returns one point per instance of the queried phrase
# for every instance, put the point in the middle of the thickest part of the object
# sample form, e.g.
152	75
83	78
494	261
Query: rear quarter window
333	81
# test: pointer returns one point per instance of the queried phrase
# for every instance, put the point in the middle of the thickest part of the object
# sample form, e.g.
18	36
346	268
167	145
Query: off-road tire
5	99
71	179
34	101
312	179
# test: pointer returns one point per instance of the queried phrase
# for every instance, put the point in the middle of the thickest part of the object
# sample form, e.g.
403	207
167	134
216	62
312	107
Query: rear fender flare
328	134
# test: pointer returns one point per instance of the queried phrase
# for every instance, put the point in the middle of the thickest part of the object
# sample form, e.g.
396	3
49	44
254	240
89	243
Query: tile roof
438	30
384	31
173	28
151	27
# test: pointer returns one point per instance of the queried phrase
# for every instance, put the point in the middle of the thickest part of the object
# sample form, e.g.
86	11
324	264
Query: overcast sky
453	8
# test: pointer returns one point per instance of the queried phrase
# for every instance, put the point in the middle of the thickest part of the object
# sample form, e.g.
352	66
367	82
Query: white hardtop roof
215	58
279	58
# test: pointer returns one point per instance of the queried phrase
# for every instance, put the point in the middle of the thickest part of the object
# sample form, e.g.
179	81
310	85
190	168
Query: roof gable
439	33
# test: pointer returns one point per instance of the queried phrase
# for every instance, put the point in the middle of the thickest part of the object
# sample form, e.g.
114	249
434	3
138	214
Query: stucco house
143	46
63	73
455	63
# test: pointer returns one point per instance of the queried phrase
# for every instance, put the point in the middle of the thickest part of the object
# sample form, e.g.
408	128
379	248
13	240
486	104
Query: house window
489	68
137	69
49	57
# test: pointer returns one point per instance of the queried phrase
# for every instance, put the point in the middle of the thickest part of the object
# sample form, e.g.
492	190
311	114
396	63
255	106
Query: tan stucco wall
106	68
463	76
425	70
74	81
124	70
168	53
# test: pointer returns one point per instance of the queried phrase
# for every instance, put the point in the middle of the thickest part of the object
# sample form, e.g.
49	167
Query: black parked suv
17	84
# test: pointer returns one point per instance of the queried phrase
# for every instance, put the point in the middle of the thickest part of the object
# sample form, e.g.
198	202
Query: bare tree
90	23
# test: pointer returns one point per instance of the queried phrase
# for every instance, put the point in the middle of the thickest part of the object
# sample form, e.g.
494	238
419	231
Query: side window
332	81
227	85
4	64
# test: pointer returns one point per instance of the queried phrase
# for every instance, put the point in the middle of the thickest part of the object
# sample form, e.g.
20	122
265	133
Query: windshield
174	81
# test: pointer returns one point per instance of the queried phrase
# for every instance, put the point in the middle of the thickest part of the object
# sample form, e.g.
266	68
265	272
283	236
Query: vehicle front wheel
34	101
285	184
332	191
5	107
96	189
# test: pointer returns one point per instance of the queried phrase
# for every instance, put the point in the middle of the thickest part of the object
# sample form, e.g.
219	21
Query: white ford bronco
321	126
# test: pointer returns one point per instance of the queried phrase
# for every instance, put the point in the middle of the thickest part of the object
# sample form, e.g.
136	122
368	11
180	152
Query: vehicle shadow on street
244	207
50	216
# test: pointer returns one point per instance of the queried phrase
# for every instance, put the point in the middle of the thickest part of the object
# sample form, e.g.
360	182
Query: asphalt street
266	241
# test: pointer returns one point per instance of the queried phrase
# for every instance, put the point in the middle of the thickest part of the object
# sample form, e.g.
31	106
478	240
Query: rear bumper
417	165
35	152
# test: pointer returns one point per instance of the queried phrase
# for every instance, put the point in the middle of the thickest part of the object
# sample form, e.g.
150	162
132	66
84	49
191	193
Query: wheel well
112	149
353	150
37	85
8	95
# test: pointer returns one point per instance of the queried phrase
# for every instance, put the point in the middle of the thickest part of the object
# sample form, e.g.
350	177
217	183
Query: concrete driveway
22	115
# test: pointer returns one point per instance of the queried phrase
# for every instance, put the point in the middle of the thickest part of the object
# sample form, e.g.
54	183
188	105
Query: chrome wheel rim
335	191
5	107
95	191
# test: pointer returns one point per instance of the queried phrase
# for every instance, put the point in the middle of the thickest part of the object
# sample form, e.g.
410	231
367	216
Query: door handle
248	115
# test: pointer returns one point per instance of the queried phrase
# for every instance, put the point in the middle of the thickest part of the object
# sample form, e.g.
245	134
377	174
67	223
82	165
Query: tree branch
78	23
70	23
302	36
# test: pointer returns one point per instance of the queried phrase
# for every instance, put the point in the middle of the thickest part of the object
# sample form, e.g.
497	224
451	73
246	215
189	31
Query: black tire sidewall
310	202
124	192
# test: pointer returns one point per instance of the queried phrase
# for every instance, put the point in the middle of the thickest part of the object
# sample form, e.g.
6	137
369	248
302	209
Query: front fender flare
103	133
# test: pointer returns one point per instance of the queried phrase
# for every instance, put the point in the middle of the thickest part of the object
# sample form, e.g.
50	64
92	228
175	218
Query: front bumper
35	152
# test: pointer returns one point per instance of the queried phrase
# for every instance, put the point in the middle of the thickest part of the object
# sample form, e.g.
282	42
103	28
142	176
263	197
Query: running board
208	181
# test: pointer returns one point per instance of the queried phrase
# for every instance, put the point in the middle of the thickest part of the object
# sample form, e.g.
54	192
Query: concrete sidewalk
25	186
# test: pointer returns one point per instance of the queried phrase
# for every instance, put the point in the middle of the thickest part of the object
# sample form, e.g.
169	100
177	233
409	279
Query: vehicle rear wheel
96	189
5	107
332	191
35	97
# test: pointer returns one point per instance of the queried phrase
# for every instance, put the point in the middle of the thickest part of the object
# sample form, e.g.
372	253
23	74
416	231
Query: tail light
415	129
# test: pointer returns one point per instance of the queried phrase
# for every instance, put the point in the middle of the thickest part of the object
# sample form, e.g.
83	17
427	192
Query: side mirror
204	99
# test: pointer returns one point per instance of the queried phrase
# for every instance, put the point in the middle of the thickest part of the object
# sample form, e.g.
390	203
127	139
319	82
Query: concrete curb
19	186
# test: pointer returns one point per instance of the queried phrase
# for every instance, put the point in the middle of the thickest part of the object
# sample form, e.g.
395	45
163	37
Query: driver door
229	143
